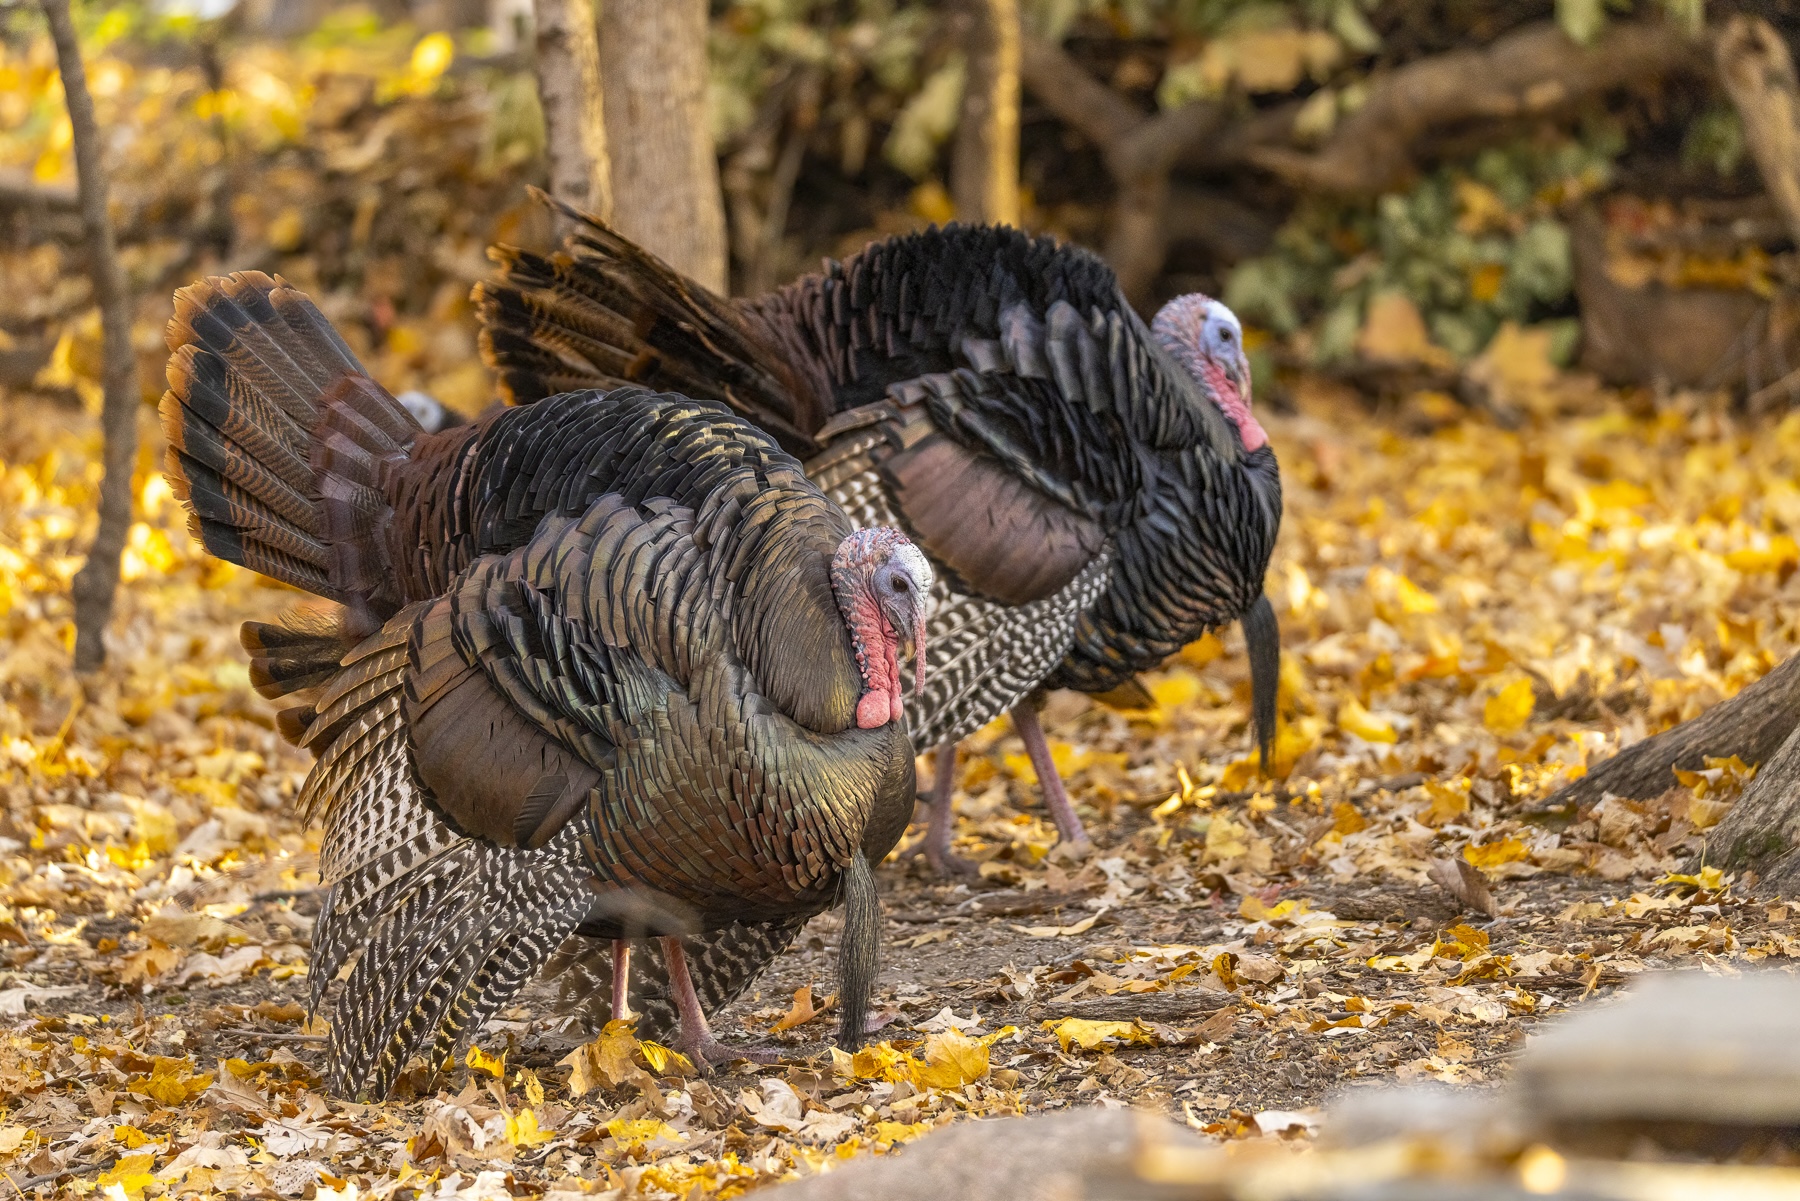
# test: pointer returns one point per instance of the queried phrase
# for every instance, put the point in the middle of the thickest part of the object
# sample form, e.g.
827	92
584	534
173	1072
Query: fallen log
1762	830
1751	725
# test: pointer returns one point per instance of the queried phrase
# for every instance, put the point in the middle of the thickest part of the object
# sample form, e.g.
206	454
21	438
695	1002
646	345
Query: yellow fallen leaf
1089	1034
1404	963
141	967
522	1130
171	1081
1704	814
1354	719
1448	801
887	1134
1394	332
1198	654
1507	711
129	1136
1067	757
607	1062
12	1138
1347	819
635	1132
481	1061
1772	554
951	1060
1493	854
1177	690
876	1061
1253	909
665	1061
1463	941
130	1176
1707	879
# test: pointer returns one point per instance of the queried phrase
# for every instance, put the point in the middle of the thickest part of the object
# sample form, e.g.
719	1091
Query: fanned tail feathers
448	928
274	429
603	312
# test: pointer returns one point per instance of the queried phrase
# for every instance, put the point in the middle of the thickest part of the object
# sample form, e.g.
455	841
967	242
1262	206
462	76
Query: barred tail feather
272	427
461	938
603	312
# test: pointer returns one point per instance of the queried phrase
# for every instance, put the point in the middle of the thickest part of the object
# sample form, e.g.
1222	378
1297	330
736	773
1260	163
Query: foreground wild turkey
1092	493
609	664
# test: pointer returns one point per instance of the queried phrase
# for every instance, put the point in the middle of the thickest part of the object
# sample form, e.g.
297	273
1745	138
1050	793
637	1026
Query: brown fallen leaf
803	1010
1464	881
1080	927
1218	1026
1259	969
146	965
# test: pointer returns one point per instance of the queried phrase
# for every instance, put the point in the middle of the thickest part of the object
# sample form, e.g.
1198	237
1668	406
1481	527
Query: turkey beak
1239	371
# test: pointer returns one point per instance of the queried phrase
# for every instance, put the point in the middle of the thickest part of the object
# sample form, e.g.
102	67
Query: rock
1047	1157
1359	1117
1681	1047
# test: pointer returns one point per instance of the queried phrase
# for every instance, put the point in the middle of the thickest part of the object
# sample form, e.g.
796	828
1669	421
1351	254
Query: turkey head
881	582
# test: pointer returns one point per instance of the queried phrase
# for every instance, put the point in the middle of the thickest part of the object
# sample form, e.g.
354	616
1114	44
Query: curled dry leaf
1464	881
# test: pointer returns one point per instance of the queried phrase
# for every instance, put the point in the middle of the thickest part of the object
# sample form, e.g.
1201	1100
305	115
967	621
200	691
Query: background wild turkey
609	664
1092	493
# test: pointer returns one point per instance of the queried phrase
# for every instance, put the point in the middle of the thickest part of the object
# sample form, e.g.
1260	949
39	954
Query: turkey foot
696	1039
1056	798
940	823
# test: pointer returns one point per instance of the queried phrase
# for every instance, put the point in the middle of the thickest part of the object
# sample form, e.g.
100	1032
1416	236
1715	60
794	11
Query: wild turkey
610	663
1093	494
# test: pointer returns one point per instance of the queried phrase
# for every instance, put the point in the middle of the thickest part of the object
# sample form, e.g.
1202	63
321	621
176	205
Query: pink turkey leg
621	981
696	1039
942	820
1056	798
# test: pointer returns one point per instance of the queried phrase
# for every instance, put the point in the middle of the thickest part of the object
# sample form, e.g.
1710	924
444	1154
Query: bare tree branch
1533	69
1078	99
98	579
1140	151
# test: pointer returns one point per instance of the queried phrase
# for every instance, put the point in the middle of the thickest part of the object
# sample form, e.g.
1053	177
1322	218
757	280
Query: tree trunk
665	175
98	578
984	168
1762	830
1758	74
568	79
1751	725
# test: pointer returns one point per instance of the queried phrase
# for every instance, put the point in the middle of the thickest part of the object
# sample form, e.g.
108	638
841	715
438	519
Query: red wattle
872	711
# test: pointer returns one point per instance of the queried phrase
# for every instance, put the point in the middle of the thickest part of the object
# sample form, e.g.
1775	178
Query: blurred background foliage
371	152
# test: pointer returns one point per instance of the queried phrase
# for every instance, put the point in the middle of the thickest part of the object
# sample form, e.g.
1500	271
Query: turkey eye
899	583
